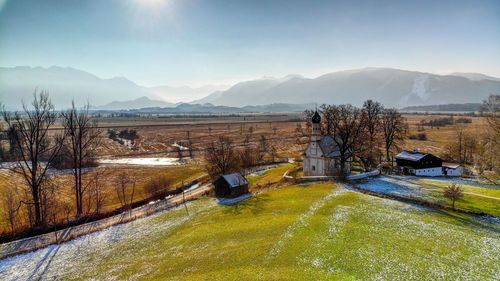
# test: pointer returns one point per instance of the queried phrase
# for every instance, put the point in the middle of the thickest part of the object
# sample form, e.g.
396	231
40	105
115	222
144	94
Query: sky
198	42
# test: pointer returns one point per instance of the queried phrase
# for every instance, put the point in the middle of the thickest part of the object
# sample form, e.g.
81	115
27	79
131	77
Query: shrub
157	187
419	136
453	192
463	120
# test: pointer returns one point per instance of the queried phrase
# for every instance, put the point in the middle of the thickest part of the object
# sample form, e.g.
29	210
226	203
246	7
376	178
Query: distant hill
467	107
141	102
210	108
65	84
392	87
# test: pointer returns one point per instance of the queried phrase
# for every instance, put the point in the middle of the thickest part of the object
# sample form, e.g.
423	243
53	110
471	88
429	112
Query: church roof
329	146
316	117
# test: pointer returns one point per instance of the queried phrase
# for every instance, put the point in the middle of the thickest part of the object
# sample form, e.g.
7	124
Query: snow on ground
232	201
159	161
392	186
66	259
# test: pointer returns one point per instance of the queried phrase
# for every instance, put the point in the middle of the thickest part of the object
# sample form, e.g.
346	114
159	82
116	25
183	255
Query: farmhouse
322	155
425	164
231	185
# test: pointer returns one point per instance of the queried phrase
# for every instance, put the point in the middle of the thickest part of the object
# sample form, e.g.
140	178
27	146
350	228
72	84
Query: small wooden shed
231	185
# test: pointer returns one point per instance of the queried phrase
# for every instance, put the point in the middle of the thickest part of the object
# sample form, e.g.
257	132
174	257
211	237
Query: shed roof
235	179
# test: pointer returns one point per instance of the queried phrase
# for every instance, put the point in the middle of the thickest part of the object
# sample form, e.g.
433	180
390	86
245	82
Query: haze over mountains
392	87
66	83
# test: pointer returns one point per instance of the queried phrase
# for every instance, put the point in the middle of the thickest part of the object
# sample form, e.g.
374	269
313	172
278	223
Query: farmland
158	135
318	231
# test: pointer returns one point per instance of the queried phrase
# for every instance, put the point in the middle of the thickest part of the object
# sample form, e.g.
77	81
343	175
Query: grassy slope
269	177
469	202
316	232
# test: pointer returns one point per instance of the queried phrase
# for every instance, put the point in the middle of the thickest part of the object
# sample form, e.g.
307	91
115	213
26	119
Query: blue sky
177	42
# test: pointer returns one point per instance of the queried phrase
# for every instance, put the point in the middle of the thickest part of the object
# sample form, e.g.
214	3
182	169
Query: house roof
235	179
410	156
330	147
450	165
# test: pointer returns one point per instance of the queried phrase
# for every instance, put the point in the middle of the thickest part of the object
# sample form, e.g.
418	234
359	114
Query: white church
322	156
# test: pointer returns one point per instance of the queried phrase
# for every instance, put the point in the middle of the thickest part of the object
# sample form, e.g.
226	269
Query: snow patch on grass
302	220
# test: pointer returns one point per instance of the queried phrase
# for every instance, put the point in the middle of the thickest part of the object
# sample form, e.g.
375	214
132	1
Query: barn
425	164
452	169
231	185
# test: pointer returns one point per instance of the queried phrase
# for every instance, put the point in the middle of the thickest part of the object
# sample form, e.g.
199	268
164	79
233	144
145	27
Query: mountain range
65	84
392	87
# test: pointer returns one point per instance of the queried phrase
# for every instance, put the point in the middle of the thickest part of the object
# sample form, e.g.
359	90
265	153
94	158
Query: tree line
367	134
34	150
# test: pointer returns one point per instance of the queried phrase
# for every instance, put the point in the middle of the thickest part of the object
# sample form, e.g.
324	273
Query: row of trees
223	156
481	147
35	148
363	132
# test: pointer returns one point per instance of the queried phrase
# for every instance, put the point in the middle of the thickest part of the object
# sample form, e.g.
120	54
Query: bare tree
462	148
372	112
453	192
488	154
263	145
30	134
491	109
82	138
125	188
96	194
221	157
249	156
190	149
395	129
11	206
345	122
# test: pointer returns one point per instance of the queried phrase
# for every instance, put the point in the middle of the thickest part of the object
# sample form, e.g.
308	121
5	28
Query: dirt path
44	240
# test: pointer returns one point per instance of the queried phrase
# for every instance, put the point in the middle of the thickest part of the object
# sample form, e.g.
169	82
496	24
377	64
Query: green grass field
269	177
476	198
313	232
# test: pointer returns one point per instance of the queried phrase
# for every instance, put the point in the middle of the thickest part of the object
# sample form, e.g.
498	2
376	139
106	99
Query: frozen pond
158	161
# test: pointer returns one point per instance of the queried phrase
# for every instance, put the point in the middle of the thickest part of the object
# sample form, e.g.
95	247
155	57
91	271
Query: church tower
316	127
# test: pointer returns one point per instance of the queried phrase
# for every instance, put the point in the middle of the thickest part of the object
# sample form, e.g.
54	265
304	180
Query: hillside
312	232
392	87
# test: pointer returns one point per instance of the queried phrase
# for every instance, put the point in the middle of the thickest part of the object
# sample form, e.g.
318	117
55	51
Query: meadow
302	232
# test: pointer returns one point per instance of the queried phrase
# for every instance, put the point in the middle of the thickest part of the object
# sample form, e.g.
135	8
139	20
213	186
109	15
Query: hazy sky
195	42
